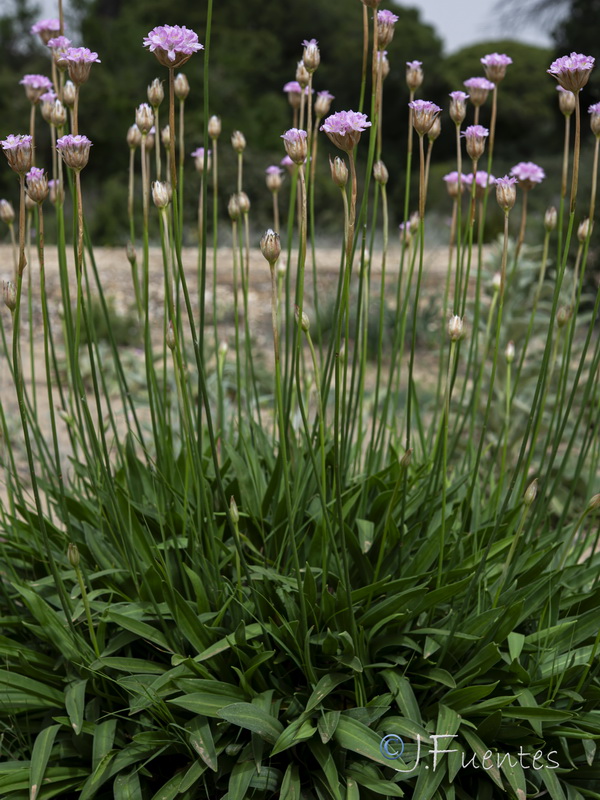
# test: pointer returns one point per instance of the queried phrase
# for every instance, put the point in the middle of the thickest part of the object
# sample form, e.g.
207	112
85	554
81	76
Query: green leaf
141	629
326	685
461	698
75	702
298	731
290	786
104	737
239	780
515	644
515	776
327	725
353	735
20	693
252	631
39	758
324	756
366	533
246	715
127	787
209	702
403	694
201	740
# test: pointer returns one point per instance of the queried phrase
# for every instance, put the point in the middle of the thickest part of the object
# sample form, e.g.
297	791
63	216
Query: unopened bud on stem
270	246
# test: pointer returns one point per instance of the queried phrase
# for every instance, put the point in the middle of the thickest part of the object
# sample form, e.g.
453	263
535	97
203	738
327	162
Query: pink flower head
311	57
595	109
424	114
482	181
452	182
198	156
344	128
323	103
19	152
507	180
37	184
506	192
45	29
414	74
495	65
387	17
475	136
172	45
414	64
79	62
34	174
287	162
385	28
58	43
479	89
36	82
459	96
48	97
274	170
572	72
295	142
75	150
528	174
595	119
458	106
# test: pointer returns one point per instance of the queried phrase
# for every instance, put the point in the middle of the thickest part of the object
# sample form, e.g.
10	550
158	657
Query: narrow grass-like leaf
253	718
40	756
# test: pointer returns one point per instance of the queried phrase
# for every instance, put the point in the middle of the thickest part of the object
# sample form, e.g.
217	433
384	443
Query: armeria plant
354	577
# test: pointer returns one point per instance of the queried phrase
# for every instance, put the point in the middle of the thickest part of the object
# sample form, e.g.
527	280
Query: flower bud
134	137
56	192
144	117
73	555
243	202
566	101
305	322
550	219
510	352
302	74
238	141
594	503
223	350
506	193
458	106
273	178
406	459
413	222
161	194
563	315
58	114
339	171
9	293
150	139
19	152
497	281
380	173
531	493
595	119
170	337
233	511
281	267
414	75
311	57
156	93
455	328
384	64
323	103
233	207
296	145
7	212
405	233
583	231
131	254
214	127
37	185
435	130
75	150
270	246
69	94
165	137
182	86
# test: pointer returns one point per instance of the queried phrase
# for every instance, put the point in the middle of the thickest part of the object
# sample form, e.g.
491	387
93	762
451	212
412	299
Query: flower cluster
311	58
58	43
75	150
323	103
573	71
172	45
414	74
273	177
479	89
506	192
483	180
344	128
45	29
37	184
452	182
296	144
35	86
78	61
595	118
198	156
475	136
528	174
385	28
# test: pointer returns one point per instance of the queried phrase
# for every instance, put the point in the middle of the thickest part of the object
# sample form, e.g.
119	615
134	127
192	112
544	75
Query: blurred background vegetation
254	50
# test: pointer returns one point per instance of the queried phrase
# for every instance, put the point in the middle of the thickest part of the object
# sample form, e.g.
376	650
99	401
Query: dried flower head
79	62
323	103
573	71
424	113
144	117
414	74
7	212
475	136
528	174
455	183
156	93
594	503
37	184
311	56
479	88
455	328
386	22
35	86
295	142
172	45
594	112
458	106
19	152
45	29
75	150
380	173
344	128
214	127
238	141
9	294
198	156
506	192
270	246
273	178
181	86
134	136
495	65
339	171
